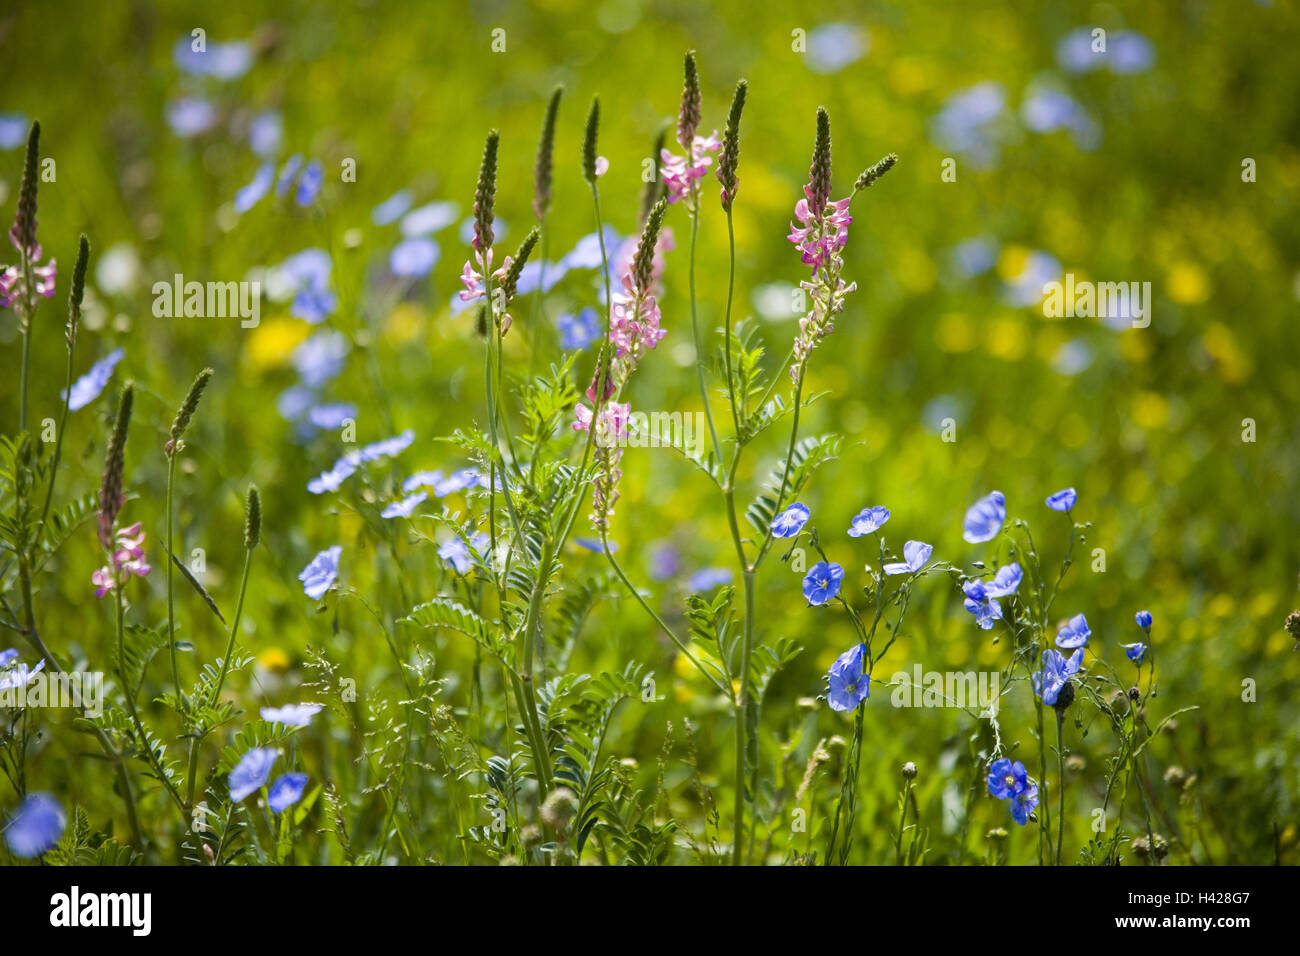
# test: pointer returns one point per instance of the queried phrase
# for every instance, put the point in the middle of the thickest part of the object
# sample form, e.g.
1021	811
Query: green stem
171	598
695	324
234	630
1060	797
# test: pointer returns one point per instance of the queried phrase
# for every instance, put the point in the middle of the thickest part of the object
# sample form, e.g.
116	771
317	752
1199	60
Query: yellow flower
273	340
274	659
1188	284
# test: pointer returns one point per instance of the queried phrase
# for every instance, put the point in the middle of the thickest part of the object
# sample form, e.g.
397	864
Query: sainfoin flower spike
111	496
127	558
730	156
543	169
13	284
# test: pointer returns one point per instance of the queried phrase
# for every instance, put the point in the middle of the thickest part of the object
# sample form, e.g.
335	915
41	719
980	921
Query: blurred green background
1123	167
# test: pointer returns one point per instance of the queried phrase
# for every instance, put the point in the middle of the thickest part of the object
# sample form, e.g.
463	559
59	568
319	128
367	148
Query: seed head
252	518
644	260
186	412
544	168
110	489
688	120
78	290
909	771
871	174
511	280
731	146
23	233
589	142
819	173
485	194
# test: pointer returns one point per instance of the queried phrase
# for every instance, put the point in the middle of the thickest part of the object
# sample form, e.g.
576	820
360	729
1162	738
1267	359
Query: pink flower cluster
127	559
473	278
681	174
820	237
12	288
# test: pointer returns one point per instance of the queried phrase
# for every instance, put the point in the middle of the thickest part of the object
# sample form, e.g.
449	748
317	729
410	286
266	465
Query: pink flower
819	238
681	175
127	559
473	278
602	165
613	420
12	288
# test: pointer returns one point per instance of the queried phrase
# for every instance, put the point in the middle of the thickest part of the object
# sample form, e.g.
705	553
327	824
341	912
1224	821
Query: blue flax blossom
708	579
915	556
319	576
35	826
822	582
1005	581
338	473
430	218
286	791
388	447
13	130
868	521
1074	632
455	553
250	195
190	116
1055	674
403	508
790	521
309	183
422	479
223	61
18	675
292	715
978	601
1063	500
984	518
1144	620
1135	652
250	774
461	480
1009	781
414	258
848	686
320	358
392	208
331	415
88	388
579	331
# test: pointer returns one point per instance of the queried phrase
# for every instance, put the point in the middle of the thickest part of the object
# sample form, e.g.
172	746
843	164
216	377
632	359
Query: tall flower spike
186	412
252	518
78	291
819	173
654	189
589	142
485	194
544	168
23	233
730	157
870	175
511	280
688	120
644	260
110	490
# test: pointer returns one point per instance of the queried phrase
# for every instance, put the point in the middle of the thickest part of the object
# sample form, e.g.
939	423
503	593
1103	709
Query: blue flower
790	521
251	772
1135	652
1057	670
665	562
1007	779
331	415
320	574
1062	500
1006	581
708	579
309	183
224	61
13	130
414	258
579	331
594	545
250	195
35	826
430	218
333	479
422	479
1130	52
848	686
586	252
915	555
455	553
403	508
88	388
1144	620
265	131
320	358
868	521
985	517
190	116
388	447
19	675
833	46
292	715
286	791
392	208
1023	803
460	480
1074	632
822	582
8	655
985	608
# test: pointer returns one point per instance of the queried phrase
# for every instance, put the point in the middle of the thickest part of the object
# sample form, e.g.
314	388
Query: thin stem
234	629
731	285
742	718
1060	767
171	598
695	323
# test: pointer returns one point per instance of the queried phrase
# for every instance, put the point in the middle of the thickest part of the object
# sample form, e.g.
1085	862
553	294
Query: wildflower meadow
558	434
